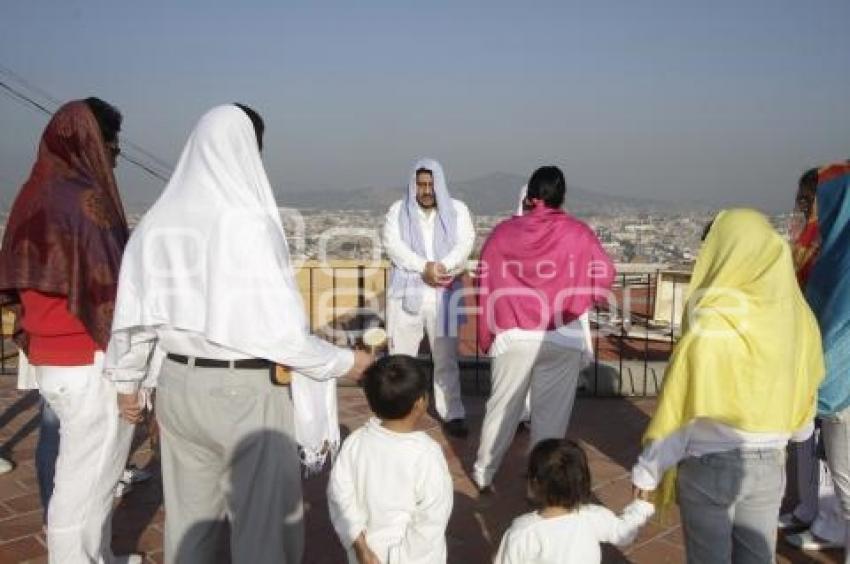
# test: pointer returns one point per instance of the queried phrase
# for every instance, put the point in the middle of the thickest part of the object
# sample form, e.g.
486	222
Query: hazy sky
722	100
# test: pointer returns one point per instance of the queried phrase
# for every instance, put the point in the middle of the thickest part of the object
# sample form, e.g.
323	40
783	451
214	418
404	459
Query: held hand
436	275
363	552
129	408
444	279
432	273
366	556
645	495
362	361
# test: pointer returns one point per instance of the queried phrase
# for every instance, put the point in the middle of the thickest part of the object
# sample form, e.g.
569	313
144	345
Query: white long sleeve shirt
317	359
402	256
701	437
397	488
572	538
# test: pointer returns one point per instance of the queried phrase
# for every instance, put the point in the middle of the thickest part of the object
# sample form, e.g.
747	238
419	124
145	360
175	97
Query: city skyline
668	239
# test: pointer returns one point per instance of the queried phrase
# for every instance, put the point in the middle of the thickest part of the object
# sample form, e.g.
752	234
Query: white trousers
405	334
551	373
93	448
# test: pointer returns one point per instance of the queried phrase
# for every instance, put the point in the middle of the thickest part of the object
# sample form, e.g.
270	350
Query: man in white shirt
428	237
206	291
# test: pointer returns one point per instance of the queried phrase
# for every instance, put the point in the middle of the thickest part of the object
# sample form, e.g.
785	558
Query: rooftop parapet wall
632	334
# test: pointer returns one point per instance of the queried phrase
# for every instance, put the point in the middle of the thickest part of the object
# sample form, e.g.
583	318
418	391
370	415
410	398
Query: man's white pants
405	334
551	373
93	448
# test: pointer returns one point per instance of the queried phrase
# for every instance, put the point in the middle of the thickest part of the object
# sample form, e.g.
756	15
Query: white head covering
408	284
520	208
211	257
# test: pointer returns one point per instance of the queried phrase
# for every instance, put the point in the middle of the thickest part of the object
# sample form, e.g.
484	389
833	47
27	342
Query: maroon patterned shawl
67	230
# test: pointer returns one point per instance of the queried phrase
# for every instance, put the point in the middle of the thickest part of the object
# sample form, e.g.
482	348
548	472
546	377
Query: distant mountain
493	194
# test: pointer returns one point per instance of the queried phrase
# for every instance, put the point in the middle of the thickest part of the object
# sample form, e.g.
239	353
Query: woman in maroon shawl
59	268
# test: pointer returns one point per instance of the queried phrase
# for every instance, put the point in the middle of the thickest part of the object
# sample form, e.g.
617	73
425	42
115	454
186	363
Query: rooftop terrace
632	336
608	428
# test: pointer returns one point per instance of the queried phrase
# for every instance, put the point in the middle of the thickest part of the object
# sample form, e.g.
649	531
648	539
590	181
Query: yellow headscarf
750	354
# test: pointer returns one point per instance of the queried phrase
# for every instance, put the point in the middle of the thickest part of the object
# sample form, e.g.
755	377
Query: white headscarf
520	207
211	257
406	283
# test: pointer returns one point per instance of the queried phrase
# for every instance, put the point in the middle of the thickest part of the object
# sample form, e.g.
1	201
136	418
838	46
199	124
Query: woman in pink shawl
538	273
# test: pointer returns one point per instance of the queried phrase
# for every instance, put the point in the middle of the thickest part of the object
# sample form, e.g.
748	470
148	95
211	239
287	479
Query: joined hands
131	408
436	275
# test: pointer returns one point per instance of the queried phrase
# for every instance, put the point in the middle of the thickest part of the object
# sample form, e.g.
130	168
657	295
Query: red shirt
56	336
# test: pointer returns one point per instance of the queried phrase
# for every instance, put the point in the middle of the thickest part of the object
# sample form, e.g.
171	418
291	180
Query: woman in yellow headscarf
741	382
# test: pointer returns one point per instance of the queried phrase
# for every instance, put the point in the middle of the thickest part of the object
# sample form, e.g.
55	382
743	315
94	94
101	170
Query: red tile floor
609	429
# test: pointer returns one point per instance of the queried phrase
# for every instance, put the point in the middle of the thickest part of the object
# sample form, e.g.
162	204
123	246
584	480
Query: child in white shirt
390	492
567	528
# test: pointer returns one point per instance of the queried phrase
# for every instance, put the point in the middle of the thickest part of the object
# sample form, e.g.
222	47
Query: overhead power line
24	98
21	97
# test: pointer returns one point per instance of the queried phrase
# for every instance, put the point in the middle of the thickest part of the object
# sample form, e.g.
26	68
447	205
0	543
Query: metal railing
632	334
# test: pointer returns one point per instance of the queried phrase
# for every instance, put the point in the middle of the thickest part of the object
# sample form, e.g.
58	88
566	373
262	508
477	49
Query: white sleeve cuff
419	264
127	387
450	263
640	509
643	478
342	363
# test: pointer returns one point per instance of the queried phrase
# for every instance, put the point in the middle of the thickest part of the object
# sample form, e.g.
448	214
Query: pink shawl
539	271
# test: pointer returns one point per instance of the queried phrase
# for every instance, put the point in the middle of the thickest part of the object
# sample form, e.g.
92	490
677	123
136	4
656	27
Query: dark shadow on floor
139	506
8	447
250	511
25	402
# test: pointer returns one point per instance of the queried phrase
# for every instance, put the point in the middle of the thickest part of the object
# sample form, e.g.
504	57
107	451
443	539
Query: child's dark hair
393	384
558	473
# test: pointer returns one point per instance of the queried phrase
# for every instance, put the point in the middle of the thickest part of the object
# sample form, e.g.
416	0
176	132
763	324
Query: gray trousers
835	430
228	452
729	503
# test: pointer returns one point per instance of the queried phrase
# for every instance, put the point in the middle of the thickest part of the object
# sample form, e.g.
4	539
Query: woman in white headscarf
208	300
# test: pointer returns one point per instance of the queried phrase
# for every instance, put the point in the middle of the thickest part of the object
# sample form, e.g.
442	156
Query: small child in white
390	492
567	528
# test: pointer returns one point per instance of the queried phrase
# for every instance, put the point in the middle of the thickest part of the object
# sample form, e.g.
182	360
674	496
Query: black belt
249	363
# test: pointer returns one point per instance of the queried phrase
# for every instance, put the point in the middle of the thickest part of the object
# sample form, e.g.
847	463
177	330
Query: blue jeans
46	453
729	503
